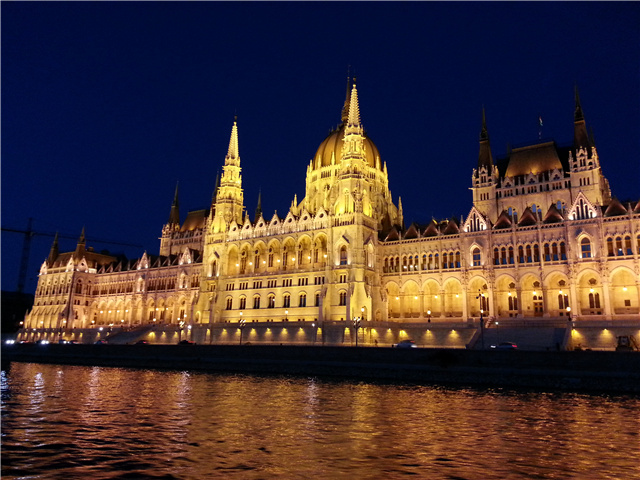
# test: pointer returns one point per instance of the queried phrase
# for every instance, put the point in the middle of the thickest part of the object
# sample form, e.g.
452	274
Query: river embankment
582	370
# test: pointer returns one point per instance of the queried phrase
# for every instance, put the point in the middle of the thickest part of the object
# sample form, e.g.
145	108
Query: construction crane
29	233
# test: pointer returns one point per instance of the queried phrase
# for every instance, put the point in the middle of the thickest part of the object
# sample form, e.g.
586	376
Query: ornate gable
582	208
475	222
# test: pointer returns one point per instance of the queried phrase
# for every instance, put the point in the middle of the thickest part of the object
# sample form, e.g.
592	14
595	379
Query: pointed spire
592	139
233	155
578	114
484	157
81	240
354	109
259	206
345	108
53	253
484	133
174	215
580	136
214	196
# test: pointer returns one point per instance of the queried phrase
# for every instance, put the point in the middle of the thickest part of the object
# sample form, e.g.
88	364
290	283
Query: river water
67	422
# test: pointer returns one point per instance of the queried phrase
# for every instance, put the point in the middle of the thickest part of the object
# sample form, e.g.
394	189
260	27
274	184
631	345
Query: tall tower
485	177
172	226
229	205
586	174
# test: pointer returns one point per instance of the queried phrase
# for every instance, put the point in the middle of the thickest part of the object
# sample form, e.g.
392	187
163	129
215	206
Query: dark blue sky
106	105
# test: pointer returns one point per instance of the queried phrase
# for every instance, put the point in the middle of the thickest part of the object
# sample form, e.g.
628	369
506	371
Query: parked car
405	344
141	342
101	342
43	342
505	346
186	342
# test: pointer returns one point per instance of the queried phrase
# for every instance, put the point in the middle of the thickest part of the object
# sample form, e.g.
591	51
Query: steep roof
195	220
534	159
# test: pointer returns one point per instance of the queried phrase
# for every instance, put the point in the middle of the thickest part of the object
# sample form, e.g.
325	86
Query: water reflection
68	422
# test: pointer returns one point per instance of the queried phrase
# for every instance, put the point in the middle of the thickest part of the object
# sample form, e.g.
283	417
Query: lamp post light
286	315
498	333
480	295
241	325
180	328
428	316
356	326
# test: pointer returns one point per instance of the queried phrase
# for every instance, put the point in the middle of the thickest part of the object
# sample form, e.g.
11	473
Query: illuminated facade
544	238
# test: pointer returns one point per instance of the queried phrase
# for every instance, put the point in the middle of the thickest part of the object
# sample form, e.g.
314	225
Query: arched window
520	254
536	253
563	302
610	247
437	261
585	245
627	246
303	300
594	300
343	255
496	256
444	260
286	301
271	257
271	303
256	260
229	303
457	260
554	251
547	253
563	251
619	251
256	302
385	269
317	299
430	264
424	261
243	303
476	257
343	298
511	255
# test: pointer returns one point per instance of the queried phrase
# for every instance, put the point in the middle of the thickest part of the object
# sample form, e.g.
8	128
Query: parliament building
544	238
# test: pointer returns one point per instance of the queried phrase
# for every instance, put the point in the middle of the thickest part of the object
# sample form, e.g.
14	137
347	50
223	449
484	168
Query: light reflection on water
93	422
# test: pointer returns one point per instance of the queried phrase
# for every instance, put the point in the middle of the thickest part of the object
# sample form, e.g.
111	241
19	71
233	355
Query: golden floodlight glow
624	289
591	290
534	292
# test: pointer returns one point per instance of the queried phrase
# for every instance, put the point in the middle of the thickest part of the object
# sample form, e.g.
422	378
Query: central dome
332	145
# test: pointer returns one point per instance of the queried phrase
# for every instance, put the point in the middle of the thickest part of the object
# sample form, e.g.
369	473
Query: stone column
441	303
545	302
608	311
519	297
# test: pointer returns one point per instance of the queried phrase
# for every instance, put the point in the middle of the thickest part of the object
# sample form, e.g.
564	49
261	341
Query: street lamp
428	316
180	328
356	326
286	314
241	326
498	333
480	295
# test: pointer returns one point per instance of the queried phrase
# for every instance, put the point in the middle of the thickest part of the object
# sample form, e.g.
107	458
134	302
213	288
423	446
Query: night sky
105	106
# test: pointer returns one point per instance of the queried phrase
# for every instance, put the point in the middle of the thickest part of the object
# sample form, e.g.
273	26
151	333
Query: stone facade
544	238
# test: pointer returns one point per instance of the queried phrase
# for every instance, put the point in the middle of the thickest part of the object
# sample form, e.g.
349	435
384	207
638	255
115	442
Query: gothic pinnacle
233	154
354	109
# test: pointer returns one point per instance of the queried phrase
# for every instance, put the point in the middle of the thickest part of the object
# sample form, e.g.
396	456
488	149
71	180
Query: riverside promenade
566	370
